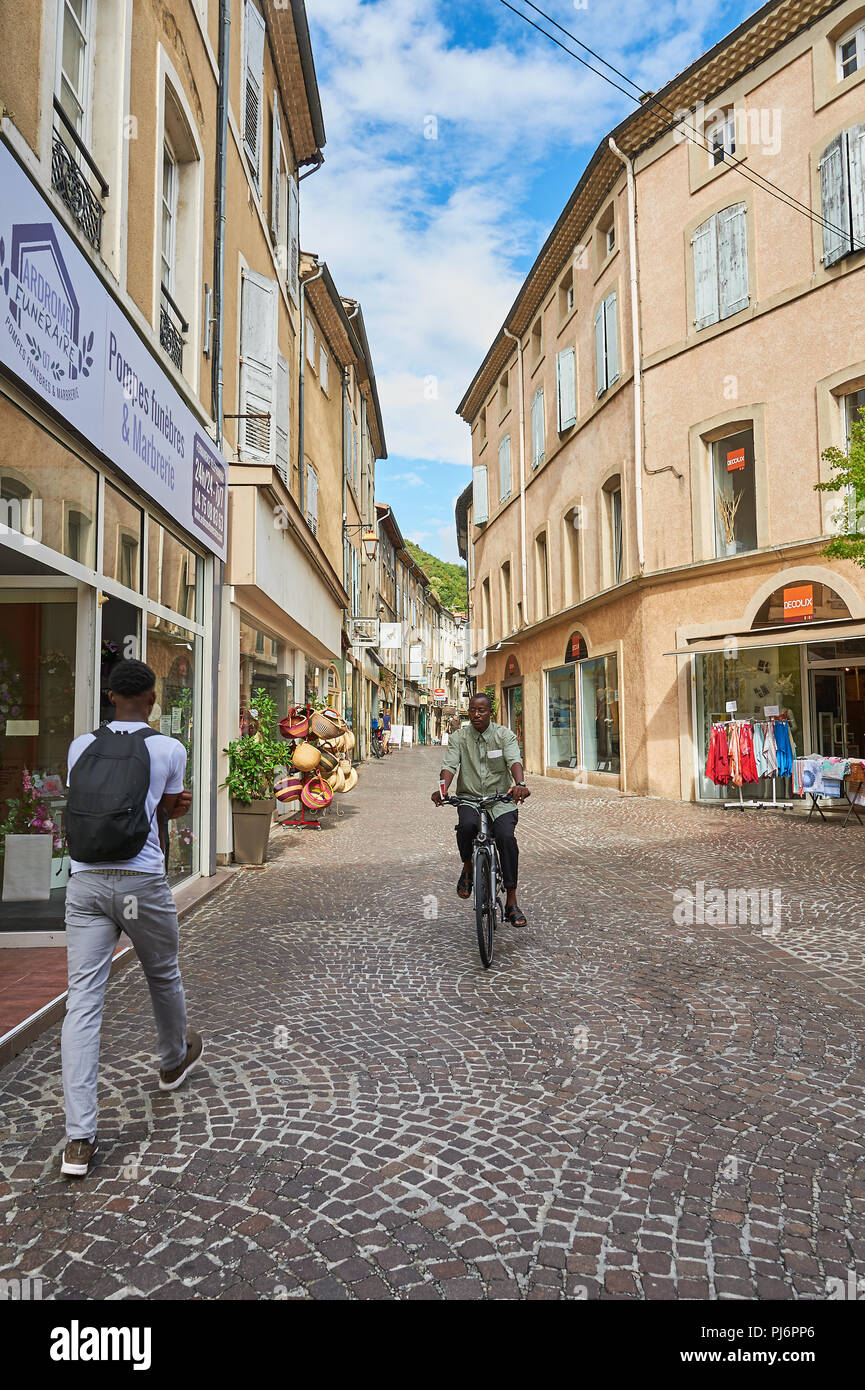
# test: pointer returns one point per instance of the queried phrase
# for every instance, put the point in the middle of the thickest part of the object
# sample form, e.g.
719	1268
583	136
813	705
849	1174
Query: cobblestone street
626	1106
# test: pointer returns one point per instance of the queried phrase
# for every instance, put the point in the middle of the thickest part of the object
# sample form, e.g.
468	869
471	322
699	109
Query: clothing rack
753	803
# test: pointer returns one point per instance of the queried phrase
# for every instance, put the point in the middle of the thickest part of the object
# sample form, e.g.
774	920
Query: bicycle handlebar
476	800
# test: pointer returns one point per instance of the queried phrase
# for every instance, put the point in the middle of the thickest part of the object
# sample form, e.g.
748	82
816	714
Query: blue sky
455	135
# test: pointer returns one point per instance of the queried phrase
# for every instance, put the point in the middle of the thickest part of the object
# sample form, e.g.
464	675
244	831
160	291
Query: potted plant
29	836
253	760
728	505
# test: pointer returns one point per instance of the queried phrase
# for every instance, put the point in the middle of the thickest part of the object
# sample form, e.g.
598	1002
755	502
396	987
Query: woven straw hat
351	780
306	757
349	741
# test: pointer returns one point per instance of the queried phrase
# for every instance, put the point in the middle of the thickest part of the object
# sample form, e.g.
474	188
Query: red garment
735	752
718	761
746	751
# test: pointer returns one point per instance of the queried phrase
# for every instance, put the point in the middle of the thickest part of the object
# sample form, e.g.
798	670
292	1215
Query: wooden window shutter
856	173
600	352
480	501
293	239
283	420
835	199
732	260
505	468
611	338
705	244
253	83
538	440
274	174
566	388
258	367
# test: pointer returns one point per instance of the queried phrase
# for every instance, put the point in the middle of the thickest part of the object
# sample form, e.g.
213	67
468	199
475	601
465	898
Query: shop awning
753	636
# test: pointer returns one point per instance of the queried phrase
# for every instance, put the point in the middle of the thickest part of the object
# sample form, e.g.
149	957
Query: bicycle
376	745
489	890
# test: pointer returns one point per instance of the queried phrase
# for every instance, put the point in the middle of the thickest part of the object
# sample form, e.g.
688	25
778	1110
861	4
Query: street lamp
369	539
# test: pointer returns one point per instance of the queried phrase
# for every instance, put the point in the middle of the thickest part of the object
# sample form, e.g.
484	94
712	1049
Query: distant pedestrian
385	730
122	779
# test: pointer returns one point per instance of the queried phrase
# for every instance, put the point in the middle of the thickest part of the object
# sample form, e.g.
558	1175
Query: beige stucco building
643	535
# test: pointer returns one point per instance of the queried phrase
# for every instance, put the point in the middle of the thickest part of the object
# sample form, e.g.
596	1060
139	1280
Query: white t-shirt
167	766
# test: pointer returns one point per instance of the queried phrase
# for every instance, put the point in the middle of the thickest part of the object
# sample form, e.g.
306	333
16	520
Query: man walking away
385	731
122	778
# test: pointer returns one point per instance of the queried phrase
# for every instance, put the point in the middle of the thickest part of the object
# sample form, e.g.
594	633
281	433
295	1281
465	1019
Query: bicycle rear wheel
485	908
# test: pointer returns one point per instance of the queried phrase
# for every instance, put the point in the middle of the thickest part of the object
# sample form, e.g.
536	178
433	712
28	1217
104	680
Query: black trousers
503	833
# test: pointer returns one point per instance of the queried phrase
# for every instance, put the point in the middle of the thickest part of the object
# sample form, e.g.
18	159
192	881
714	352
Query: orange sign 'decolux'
799	603
735	460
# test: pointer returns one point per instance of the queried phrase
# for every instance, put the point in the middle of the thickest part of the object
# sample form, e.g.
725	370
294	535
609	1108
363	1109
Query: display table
837	779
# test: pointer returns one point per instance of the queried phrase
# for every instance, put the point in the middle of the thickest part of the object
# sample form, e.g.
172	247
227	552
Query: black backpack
106	813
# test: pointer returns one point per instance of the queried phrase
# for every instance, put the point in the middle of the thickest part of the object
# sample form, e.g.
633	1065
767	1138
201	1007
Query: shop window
122	539
720	266
801	602
734	493
265	663
842	194
172	572
173	654
562	717
753	677
37	707
599	698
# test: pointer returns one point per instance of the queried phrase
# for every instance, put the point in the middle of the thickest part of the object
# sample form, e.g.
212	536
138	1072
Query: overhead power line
690	132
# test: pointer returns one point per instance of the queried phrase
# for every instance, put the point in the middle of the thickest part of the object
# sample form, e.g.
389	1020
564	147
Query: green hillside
448	580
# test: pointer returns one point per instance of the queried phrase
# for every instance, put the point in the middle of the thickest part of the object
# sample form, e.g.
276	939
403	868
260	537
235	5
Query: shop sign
440	696
735	459
799	603
63	334
576	649
363	632
512	667
390	637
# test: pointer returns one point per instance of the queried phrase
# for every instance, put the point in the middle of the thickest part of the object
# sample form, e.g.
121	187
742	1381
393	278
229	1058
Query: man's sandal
464	884
515	916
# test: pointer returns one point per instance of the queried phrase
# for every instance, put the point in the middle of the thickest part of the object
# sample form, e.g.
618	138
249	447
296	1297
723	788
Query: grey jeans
99	906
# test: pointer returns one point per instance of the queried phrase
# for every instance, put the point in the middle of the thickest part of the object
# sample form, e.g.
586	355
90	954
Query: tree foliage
848	477
447	580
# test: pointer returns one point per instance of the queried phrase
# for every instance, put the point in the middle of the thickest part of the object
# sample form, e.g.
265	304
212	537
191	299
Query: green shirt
483	762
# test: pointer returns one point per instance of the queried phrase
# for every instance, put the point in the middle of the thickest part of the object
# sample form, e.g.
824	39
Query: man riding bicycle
487	756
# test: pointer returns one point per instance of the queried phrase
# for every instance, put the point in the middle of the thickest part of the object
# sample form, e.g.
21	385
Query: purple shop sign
64	335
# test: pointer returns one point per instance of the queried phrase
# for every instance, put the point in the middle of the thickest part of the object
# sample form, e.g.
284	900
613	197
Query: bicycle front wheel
485	908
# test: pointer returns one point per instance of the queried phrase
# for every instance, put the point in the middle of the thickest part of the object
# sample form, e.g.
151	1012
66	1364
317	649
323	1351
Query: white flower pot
27	868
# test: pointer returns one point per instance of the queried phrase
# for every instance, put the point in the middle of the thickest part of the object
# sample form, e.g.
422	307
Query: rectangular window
616	533
850	53
172	570
566	388
542	577
842	193
599	699
722	138
74	65
504	393
505	468
566	295
734	493
169	216
538	441
482	426
606	344
562	748
537	342
720	250
122	539
506	597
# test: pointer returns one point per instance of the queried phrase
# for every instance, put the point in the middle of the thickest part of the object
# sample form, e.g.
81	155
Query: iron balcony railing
71	182
171	333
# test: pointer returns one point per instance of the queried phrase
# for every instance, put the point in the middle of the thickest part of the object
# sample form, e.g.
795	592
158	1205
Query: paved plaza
655	1093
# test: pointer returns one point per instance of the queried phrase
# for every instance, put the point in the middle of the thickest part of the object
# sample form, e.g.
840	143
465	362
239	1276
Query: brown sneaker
77	1158
170	1080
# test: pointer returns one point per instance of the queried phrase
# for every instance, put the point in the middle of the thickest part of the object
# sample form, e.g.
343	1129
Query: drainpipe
218	393
301	462
636	351
523	561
